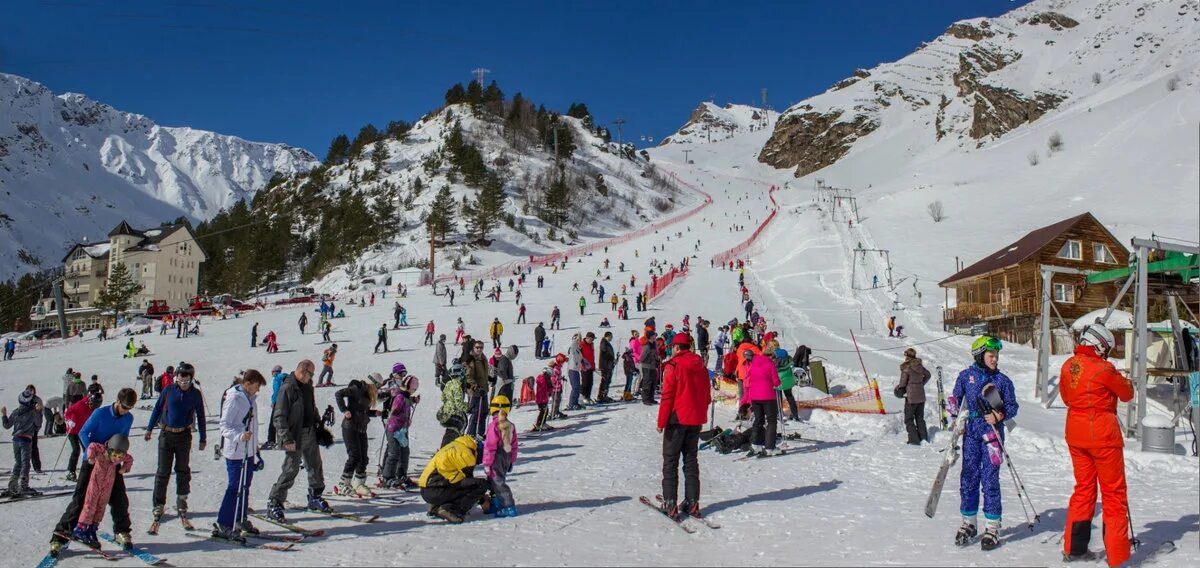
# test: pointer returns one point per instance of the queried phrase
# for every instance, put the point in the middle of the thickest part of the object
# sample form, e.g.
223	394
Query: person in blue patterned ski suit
977	469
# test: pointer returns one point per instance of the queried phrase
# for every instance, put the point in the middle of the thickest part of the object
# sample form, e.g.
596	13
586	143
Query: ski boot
448	515
71	477
493	505
991	536
181	505
1088	556
156	514
86	534
318	504
30	492
756	451
217	452
771	452
226	533
361	489
506	512
123	539
691	509
409	484
669	508
275	511
247	529
268	446
966	533
343	487
56	548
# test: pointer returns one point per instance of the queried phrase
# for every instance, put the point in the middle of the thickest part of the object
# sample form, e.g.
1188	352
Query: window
1101	254
1071	250
1064	293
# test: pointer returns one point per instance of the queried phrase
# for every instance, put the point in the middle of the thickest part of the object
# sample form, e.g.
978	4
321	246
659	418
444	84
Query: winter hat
276	369
910	353
26	397
511	352
681	339
500	402
399	369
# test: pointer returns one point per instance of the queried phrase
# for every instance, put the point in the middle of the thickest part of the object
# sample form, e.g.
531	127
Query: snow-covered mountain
712	123
612	190
72	168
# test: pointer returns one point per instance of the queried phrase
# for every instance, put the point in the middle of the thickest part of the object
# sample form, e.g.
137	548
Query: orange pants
1105	466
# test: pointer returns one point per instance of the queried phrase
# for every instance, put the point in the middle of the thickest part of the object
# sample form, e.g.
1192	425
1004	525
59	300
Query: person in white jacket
239	434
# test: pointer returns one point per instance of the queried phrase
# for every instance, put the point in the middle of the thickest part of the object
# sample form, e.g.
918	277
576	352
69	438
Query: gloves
259	463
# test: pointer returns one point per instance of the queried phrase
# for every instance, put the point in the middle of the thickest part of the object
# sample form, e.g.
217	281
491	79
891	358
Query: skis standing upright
943	415
935	493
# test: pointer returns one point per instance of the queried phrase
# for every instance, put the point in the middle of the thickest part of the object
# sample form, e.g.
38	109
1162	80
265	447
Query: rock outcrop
810	141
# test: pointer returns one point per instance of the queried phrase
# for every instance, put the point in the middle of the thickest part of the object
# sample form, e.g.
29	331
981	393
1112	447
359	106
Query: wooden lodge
1001	294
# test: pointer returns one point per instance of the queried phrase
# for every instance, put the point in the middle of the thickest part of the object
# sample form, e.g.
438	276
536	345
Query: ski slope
855	499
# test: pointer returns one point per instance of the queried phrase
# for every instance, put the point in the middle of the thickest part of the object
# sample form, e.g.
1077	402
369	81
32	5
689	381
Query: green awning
1186	265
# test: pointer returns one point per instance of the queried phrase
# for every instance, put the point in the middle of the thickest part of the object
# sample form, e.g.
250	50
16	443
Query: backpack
729	442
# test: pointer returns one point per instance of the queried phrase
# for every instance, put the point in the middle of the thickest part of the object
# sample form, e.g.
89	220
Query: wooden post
432	258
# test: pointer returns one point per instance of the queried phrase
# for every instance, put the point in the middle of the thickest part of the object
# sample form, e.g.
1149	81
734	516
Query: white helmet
1099	337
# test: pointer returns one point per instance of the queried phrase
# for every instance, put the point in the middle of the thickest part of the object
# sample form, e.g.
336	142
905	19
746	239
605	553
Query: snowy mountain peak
73	167
987	77
712	123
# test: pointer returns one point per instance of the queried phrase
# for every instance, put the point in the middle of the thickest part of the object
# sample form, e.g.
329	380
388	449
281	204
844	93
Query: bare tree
1096	78
1033	158
936	212
1055	142
1172	83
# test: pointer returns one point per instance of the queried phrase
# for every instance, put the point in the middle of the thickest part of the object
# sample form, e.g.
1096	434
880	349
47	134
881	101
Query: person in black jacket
539	336
356	402
608	362
702	341
296	422
504	372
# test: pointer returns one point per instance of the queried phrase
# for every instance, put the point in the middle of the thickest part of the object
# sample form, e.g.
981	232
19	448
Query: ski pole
60	451
1134	542
1022	493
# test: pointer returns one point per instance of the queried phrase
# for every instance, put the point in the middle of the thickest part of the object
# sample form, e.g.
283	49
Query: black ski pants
118	505
458	498
649	379
585	382
174	449
765	411
356	453
605	381
914	422
381	341
76	449
679	440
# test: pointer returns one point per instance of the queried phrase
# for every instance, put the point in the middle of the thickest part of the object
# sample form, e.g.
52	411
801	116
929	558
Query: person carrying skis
239	447
978	470
394	474
107	460
499	455
381	338
180	408
102	425
913	376
1090	387
356	402
327	357
296	423
495	330
686	395
446	484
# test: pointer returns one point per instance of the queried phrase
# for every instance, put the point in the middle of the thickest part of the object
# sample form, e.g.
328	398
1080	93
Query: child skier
105	460
499	455
978	469
542	398
395	461
26	422
453	413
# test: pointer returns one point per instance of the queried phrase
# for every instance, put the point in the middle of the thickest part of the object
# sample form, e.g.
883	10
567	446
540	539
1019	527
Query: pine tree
118	292
384	212
486	212
398	129
339	150
367	135
456	95
556	202
379	154
474	93
441	216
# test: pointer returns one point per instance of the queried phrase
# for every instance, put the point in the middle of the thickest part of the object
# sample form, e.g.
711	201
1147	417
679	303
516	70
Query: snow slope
72	168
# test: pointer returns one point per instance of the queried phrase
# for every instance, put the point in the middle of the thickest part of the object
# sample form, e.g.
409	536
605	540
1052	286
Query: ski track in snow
856	498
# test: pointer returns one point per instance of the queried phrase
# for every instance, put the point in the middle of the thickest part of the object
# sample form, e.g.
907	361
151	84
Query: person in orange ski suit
1090	387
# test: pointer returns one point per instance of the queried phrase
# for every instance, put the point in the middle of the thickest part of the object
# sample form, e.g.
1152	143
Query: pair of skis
51	560
46	495
682	521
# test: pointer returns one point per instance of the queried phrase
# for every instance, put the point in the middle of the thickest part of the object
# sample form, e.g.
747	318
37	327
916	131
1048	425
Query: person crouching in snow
106	459
499	455
446	484
978	469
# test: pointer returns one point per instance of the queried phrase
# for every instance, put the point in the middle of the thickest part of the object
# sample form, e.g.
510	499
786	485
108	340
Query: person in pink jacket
499	455
761	379
635	347
106	459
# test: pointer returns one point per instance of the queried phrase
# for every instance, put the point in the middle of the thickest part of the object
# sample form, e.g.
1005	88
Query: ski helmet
399	370
118	443
500	402
185	369
1099	337
984	344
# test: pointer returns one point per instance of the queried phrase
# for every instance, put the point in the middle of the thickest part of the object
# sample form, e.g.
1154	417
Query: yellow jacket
446	467
496	329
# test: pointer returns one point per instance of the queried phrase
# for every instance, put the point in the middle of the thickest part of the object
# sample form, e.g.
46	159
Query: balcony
965	312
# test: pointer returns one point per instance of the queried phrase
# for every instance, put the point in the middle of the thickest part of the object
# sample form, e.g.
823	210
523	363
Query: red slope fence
658	285
515	266
737	251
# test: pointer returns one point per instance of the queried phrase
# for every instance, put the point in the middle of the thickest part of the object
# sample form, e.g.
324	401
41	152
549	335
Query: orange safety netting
535	261
723	258
658	285
865	400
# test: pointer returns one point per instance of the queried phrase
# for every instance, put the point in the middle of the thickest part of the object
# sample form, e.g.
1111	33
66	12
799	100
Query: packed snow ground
855	499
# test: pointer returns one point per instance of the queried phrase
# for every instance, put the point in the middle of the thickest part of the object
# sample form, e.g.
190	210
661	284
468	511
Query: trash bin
1158	435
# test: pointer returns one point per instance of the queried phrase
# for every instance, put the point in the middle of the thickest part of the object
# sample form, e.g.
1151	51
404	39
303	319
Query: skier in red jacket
682	411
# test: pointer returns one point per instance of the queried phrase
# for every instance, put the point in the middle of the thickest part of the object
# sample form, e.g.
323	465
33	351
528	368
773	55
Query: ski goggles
987	343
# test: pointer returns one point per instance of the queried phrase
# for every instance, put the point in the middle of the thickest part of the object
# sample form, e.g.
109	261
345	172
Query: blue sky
301	72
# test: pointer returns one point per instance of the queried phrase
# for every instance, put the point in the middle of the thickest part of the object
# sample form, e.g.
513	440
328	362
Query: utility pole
620	122
766	119
479	73
685	157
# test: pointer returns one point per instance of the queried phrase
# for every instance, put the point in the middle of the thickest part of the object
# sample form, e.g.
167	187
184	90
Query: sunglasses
124	406
184	376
